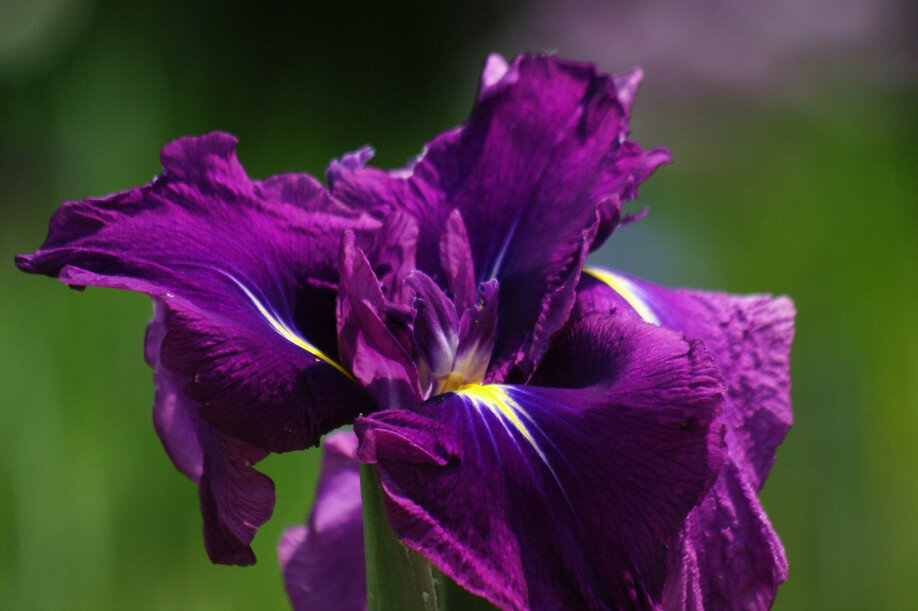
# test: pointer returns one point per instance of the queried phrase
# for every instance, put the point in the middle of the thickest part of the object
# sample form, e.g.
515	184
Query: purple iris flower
546	435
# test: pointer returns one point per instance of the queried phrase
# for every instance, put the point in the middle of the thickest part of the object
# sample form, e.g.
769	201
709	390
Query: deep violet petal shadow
558	497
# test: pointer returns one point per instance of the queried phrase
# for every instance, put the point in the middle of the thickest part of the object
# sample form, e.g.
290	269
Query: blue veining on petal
496	400
502	253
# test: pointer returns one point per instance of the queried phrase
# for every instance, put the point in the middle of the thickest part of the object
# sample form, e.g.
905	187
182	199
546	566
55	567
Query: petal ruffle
249	325
538	174
323	562
235	498
749	338
727	554
560	497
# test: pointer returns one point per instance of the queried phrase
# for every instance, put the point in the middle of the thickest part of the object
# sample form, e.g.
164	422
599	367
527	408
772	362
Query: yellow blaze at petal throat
286	332
498	402
496	399
627	290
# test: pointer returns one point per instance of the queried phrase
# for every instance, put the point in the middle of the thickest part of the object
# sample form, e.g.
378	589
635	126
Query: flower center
468	368
453	344
453	382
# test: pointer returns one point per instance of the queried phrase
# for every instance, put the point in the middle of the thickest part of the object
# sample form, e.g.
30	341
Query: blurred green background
794	135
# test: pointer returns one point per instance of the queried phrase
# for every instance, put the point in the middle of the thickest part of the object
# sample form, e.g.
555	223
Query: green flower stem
399	577
453	597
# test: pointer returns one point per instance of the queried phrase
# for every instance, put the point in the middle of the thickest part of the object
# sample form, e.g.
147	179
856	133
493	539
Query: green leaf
397	576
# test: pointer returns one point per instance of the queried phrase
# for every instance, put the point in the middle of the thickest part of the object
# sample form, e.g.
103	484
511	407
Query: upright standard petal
562	495
727	554
247	280
538	174
323	561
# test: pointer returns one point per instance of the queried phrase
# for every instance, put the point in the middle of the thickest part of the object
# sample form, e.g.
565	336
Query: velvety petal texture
749	338
244	274
323	561
538	174
727	554
562	495
369	348
248	284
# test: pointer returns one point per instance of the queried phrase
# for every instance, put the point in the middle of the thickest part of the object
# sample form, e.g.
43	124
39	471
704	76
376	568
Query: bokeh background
793	127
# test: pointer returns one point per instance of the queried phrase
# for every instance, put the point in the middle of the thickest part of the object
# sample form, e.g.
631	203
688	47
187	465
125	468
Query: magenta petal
727	555
235	498
456	259
749	338
566	497
271	394
477	328
727	550
392	256
323	562
436	328
247	271
348	163
538	173
175	416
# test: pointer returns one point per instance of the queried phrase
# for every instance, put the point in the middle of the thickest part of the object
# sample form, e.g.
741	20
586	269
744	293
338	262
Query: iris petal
626	290
564	496
368	347
456	259
283	329
748	336
538	174
727	553
436	328
235	499
251	327
392	255
323	561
